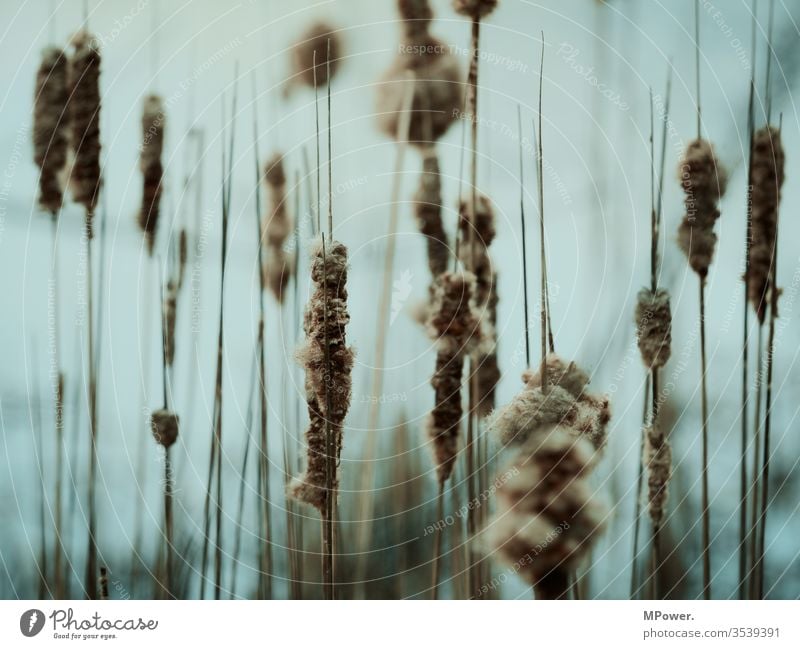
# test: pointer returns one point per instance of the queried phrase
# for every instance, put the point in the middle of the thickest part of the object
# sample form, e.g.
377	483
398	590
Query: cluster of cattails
51	127
84	114
275	229
437	80
314	45
455	324
328	363
654	333
703	181
151	167
547	517
477	232
766	179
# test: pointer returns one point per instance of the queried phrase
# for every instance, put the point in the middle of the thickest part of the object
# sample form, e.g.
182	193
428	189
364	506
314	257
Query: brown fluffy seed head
703	180
766	180
315	39
658	460
654	326
84	112
151	167
437	96
453	321
276	228
328	363
417	16
477	233
51	126
428	210
170	316
475	9
183	256
164	424
547	517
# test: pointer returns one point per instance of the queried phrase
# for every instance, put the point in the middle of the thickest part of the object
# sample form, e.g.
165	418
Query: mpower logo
31	622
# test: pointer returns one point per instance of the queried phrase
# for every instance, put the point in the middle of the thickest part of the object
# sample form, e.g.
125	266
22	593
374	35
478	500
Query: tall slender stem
706	532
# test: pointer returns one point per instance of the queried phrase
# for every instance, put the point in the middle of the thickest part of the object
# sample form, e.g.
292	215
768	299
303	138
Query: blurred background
601	61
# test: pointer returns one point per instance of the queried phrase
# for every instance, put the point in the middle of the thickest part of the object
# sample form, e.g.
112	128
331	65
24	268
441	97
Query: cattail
183	256
658	460
417	16
437	92
456	326
152	169
84	112
475	9
654	327
765	181
164	424
428	210
479	230
276	228
103	583
328	388
547	517
170	314
50	126
564	401
703	181
315	39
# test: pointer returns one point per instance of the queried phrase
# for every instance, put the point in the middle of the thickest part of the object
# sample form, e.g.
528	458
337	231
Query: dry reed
50	126
152	169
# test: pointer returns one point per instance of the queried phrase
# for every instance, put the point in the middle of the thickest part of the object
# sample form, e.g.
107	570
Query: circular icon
31	622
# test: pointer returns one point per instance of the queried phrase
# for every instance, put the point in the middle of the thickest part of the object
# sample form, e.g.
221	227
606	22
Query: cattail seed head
170	315
658	460
475	9
654	326
84	112
455	326
276	227
417	16
437	96
315	39
703	180
328	363
51	126
183	256
151	167
164	424
766	180
547	517
428	210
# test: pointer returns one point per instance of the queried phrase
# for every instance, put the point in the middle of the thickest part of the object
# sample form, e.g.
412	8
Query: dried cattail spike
152	169
183	256
276	228
164	424
437	92
703	181
475	9
477	233
547	517
654	326
328	362
766	181
428	210
455	324
84	111
417	16
51	126
658	460
170	314
315	39
487	368
564	374
103	583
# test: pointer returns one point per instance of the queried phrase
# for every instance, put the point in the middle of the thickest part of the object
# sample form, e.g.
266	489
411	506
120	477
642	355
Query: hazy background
597	197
